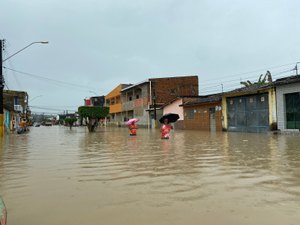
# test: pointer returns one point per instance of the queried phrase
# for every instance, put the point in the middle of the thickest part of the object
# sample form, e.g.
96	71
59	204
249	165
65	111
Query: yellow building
113	100
250	109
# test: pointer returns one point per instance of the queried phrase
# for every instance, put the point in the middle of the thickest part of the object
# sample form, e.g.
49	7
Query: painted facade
113	100
16	108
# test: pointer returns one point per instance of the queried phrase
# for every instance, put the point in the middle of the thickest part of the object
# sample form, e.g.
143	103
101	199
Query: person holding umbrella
132	126
165	129
166	126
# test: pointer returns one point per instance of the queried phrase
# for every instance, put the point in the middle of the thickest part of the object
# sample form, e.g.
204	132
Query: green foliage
261	81
93	112
70	120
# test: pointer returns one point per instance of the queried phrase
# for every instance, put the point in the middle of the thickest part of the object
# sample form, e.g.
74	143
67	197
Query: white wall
175	108
280	99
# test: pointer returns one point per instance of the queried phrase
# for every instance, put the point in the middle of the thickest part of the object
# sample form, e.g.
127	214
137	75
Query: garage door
248	113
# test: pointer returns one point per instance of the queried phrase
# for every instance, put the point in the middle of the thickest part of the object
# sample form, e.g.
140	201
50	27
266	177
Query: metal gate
292	104
248	113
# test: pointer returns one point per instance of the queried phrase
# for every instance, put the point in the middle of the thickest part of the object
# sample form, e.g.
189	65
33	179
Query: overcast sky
98	44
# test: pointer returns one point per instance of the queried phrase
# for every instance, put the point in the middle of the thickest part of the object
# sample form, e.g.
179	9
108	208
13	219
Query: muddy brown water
57	176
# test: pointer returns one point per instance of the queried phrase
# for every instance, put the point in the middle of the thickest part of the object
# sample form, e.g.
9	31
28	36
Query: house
288	103
144	100
250	109
175	107
16	108
203	113
113	100
95	101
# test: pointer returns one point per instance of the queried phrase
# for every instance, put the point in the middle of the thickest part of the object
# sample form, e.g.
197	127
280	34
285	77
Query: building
16	108
144	100
203	113
250	109
95	101
113	100
288	103
175	107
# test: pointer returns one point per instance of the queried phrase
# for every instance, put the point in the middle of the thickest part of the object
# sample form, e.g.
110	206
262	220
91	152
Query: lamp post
30	100
35	42
2	81
94	93
28	107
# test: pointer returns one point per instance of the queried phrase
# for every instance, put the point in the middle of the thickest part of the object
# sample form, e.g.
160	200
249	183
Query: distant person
132	128
165	129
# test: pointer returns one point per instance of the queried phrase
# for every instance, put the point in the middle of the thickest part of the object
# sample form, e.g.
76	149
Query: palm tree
261	81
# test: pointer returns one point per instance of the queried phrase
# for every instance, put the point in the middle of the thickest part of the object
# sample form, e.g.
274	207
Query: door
248	113
292	104
212	119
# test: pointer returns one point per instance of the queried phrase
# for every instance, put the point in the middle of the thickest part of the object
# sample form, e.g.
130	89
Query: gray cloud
100	44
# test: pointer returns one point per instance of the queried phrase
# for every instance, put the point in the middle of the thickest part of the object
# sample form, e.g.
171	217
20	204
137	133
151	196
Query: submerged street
53	176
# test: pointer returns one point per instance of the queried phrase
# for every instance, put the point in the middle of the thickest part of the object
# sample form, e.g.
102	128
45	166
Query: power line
51	109
258	70
214	88
51	80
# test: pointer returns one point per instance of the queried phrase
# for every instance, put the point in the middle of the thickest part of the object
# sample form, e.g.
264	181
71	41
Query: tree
70	122
92	115
261	81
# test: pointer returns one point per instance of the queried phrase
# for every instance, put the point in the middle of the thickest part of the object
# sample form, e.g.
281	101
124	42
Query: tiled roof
250	89
287	80
203	99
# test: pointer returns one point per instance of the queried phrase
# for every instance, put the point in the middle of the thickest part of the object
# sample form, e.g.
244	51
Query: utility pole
154	105
296	67
1	91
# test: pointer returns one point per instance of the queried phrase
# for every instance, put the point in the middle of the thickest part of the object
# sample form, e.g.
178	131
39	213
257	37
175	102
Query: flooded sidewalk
55	176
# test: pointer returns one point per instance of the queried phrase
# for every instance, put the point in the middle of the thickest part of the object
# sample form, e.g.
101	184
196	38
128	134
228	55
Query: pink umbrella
133	120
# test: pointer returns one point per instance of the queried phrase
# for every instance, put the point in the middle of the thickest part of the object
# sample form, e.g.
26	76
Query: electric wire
57	82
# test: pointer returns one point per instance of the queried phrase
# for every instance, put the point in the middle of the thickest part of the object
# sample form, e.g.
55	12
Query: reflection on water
53	175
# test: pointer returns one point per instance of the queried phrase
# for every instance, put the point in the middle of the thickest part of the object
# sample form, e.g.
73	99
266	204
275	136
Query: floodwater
57	176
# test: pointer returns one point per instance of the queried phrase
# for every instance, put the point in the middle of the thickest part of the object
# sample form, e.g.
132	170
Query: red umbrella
133	120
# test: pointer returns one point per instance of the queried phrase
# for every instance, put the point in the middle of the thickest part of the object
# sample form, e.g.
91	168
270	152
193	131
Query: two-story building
113	100
16	108
144	100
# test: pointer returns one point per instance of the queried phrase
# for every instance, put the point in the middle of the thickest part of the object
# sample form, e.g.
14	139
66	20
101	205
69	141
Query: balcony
18	108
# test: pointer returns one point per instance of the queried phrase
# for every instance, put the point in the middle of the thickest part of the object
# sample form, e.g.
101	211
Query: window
16	100
190	114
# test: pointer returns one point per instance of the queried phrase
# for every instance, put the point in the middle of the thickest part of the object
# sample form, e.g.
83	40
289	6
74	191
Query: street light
2	81
28	111
30	100
93	92
35	42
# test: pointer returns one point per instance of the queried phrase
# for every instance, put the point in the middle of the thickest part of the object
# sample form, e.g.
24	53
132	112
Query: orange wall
201	119
116	107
